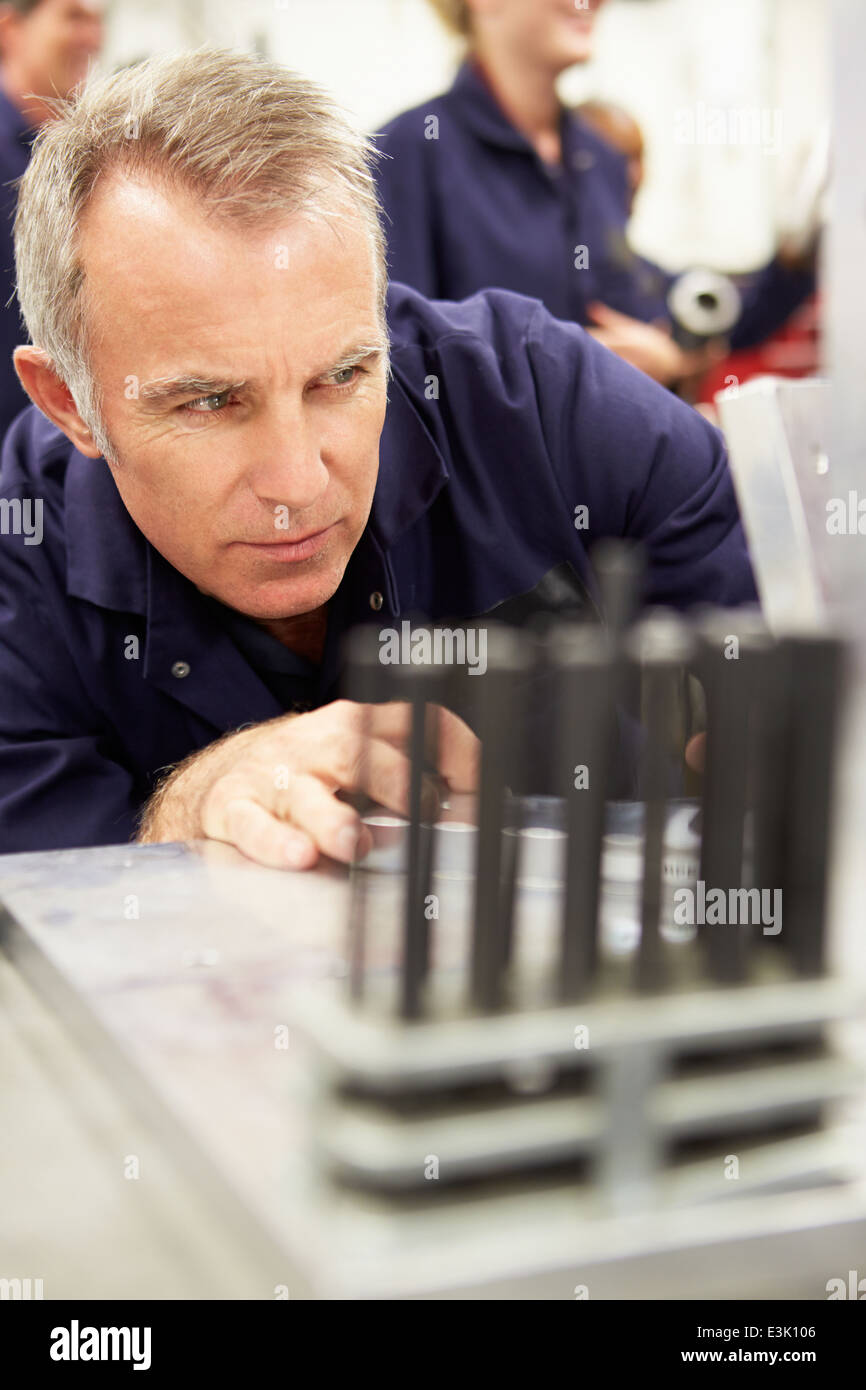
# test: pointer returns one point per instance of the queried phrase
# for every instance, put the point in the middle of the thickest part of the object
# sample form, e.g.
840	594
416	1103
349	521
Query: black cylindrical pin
767	788
620	567
730	689
419	685
660	647
817	671
584	664
507	659
366	683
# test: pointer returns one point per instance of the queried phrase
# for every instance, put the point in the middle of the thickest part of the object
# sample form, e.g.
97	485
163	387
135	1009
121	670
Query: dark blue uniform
15	141
501	422
471	205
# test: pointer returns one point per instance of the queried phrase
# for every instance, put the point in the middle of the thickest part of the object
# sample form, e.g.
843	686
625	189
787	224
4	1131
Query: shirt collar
480	111
106	554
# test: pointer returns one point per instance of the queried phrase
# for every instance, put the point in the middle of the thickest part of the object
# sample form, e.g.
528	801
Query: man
230	481
45	49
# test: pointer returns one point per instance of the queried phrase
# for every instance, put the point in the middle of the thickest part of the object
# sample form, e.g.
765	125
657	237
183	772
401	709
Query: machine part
704	304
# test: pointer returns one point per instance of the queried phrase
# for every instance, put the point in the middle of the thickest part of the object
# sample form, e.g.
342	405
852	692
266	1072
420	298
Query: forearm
174	811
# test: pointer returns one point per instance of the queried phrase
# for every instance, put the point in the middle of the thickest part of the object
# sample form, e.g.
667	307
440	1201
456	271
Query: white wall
716	204
726	63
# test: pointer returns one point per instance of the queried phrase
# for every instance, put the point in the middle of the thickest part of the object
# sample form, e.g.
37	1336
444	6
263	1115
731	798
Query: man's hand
272	790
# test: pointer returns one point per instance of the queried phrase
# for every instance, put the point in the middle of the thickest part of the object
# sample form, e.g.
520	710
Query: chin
574	40
286	596
580	52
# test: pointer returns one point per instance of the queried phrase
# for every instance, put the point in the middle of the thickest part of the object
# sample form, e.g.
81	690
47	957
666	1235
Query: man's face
55	42
254	477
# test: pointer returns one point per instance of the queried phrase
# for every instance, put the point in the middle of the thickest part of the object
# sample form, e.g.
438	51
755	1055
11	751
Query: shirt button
376	601
180	669
583	161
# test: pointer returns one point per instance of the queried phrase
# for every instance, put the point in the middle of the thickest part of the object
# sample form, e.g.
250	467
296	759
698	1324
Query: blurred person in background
46	47
496	182
620	129
772	298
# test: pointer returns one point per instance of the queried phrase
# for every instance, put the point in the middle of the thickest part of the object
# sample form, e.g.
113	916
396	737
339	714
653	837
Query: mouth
290	551
581	18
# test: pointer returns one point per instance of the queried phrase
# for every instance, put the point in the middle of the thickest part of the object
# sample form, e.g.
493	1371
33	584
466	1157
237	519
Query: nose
287	468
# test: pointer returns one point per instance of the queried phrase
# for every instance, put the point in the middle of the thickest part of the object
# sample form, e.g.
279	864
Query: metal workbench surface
173	968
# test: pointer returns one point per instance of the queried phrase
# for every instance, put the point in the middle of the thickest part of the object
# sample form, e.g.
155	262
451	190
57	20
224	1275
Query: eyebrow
162	390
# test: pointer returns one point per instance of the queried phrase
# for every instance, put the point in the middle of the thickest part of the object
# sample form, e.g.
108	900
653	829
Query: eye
207	405
345	376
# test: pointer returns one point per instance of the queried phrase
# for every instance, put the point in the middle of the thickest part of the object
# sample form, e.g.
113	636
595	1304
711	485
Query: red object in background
795	350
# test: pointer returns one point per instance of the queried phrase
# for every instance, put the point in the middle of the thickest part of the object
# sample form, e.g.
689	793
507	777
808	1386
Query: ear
46	390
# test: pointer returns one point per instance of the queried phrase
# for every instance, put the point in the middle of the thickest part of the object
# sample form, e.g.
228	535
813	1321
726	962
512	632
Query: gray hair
246	136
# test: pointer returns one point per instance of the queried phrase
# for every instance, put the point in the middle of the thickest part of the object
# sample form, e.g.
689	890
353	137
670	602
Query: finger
332	825
696	752
359	722
385	776
456	747
450	745
351	759
459	751
259	835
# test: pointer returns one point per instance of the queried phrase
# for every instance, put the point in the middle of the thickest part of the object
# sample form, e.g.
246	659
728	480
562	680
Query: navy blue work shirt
16	137
501	421
471	205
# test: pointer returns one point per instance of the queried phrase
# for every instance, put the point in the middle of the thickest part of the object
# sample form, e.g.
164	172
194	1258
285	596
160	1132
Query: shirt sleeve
62	784
642	463
403	175
774	294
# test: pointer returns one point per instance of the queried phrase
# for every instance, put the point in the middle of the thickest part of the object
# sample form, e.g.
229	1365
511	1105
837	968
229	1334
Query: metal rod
365	684
660	647
817	668
507	660
585	733
418	684
728	684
